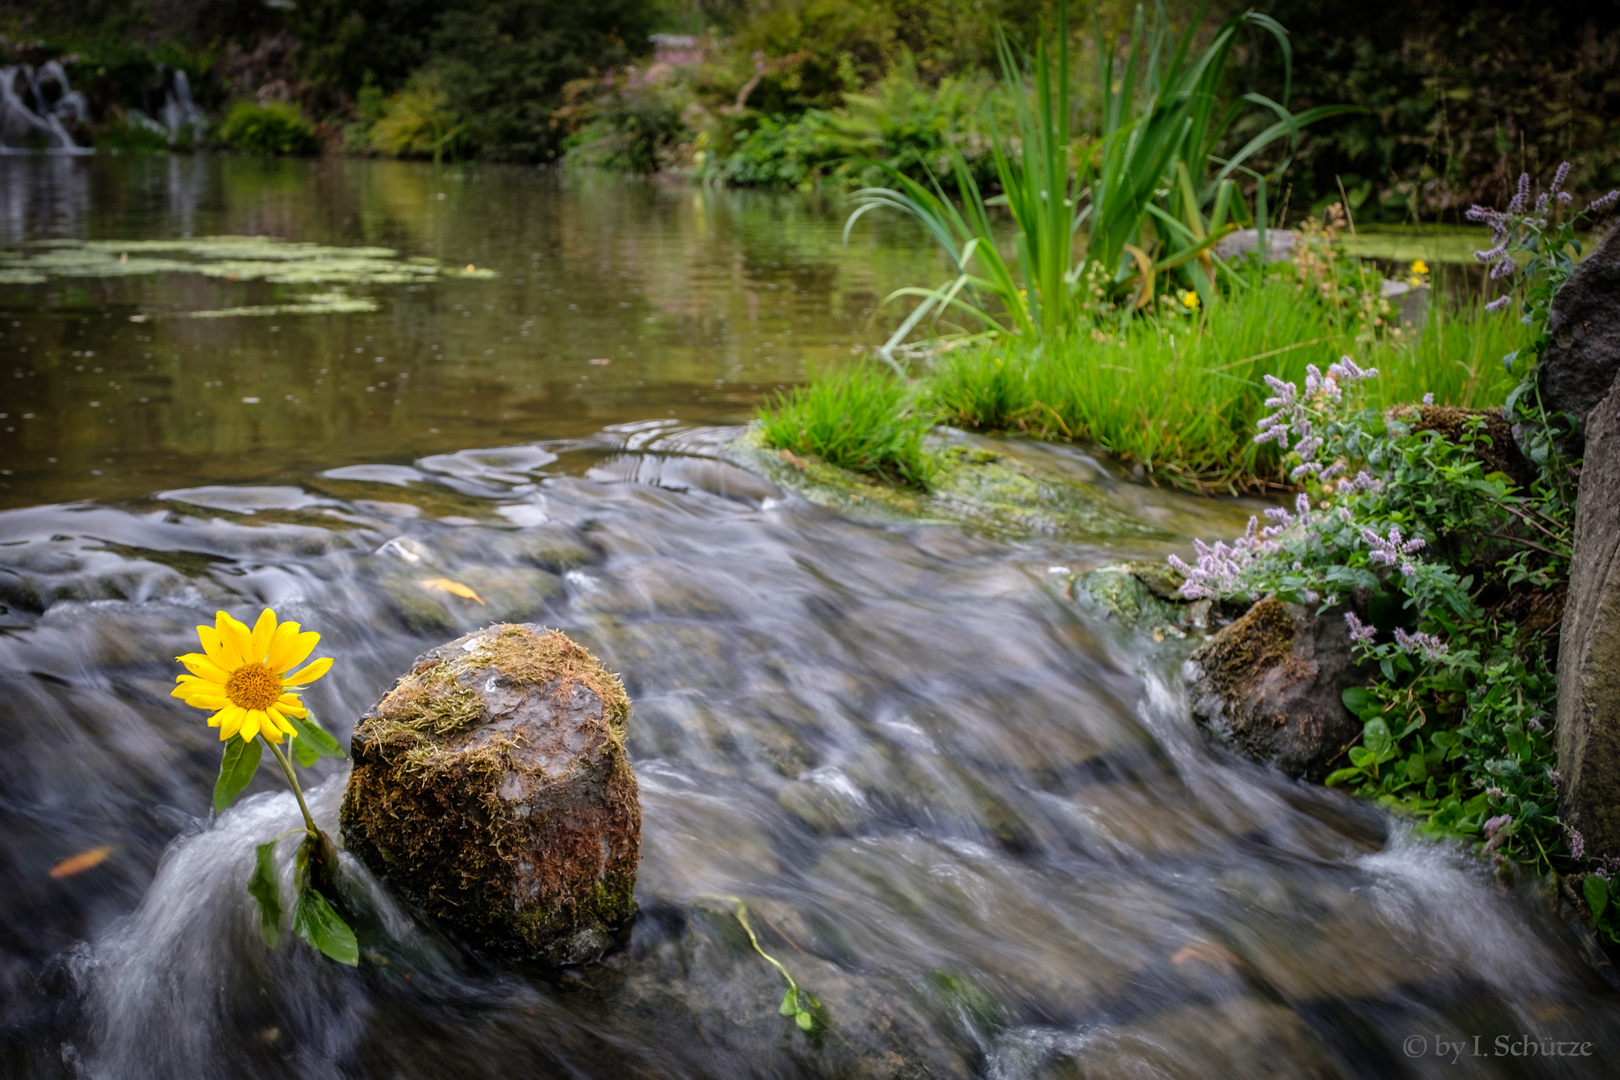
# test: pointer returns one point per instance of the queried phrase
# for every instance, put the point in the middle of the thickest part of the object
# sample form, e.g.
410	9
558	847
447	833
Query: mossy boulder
492	790
1272	683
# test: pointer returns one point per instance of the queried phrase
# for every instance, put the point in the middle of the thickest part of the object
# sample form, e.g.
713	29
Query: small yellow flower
242	675
1419	267
1189	299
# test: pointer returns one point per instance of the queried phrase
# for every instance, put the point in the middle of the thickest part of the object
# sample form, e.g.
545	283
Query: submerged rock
1583	356
1271	685
1589	645
977	488
1143	596
491	788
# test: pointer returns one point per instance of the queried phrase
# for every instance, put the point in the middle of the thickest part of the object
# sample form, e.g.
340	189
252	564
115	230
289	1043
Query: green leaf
1361	701
1375	737
1597	895
1339	776
790	1002
305	754
805	1021
1361	757
316	922
263	888
311	736
236	768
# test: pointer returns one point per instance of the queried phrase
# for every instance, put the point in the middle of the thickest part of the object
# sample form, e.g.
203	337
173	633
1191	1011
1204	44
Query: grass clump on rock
861	418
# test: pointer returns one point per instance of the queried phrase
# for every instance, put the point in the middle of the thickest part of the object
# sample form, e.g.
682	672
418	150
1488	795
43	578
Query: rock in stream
491	789
1271	685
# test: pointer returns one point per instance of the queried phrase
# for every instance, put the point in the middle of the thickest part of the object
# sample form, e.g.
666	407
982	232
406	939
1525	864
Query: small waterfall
29	116
179	111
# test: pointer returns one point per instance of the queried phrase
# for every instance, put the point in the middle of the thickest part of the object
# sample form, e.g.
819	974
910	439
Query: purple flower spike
1603	202
1499	303
1360	632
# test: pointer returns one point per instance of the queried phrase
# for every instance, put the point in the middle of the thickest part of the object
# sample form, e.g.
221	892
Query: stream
969	811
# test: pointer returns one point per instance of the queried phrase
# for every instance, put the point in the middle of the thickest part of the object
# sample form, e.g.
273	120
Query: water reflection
613	302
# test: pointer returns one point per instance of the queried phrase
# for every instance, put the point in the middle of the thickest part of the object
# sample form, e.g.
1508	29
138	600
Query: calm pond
969	811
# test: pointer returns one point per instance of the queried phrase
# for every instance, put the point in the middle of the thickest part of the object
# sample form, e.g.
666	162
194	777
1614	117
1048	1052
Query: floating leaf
240	762
805	1021
78	864
316	922
455	588
263	888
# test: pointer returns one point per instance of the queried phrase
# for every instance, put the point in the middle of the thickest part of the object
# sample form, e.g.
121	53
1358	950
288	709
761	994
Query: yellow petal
234	637
286	630
208	701
280	722
284	656
230	721
200	666
190	684
250	726
263	631
289	704
214	647
308	674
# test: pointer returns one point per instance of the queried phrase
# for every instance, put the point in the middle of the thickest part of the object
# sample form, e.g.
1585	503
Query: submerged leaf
263	888
78	864
455	588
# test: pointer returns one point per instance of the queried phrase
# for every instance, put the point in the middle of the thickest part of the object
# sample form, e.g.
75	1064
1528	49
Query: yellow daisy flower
242	675
1190	298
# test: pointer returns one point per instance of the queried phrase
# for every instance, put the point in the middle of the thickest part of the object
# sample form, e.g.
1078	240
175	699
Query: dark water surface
969	813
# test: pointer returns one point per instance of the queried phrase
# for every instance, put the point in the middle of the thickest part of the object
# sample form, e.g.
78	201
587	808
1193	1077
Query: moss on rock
972	486
492	789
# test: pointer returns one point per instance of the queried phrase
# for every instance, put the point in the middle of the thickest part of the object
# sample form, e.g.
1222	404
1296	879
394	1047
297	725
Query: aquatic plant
246	679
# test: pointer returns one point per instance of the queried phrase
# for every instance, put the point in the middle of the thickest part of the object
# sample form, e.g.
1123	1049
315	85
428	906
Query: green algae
983	490
236	258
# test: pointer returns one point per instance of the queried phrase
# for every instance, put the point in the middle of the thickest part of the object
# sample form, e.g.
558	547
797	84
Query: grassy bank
1176	393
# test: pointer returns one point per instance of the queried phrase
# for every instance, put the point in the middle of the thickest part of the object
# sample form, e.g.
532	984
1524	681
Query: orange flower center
253	686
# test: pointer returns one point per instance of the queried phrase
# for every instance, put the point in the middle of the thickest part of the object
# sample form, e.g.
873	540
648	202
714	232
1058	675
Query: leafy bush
1454	571
273	129
860	418
417	121
504	64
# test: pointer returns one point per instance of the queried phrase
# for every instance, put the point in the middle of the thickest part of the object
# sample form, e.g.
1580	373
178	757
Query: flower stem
298	792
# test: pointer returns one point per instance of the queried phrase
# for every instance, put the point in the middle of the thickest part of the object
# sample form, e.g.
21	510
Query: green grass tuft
861	418
1180	394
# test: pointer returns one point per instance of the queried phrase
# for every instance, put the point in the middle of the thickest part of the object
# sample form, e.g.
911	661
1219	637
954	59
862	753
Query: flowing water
969	812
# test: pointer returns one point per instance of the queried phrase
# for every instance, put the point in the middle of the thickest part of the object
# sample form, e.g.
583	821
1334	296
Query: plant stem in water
298	792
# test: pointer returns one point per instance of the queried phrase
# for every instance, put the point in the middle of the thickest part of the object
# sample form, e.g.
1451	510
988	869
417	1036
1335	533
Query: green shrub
504	64
861	418
417	121
274	129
